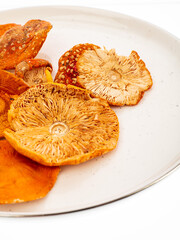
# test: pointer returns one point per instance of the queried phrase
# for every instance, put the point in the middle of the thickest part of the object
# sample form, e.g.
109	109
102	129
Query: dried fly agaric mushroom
118	79
55	124
21	179
10	87
67	71
22	42
34	71
5	27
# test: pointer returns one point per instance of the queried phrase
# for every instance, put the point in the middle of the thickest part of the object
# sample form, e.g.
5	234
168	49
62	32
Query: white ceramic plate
149	142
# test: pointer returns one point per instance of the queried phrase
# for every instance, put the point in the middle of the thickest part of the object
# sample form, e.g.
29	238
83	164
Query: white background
151	214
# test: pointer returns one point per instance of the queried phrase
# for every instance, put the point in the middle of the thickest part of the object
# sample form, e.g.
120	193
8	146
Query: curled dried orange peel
55	124
34	71
118	79
10	87
21	179
22	42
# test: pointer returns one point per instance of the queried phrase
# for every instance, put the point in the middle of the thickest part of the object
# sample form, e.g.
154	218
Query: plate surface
149	142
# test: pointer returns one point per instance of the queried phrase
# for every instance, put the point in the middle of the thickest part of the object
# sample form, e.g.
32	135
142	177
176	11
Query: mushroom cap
6	27
5	101
10	87
22	42
67	72
34	71
55	124
12	84
21	179
118	79
30	64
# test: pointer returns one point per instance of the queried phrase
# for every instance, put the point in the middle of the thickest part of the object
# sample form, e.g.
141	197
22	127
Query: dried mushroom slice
12	84
10	87
22	179
67	72
34	71
118	79
55	124
5	27
22	42
5	101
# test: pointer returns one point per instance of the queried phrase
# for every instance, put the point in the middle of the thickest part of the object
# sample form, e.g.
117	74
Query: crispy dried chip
10	87
34	71
5	27
22	42
21	179
67	71
55	124
118	79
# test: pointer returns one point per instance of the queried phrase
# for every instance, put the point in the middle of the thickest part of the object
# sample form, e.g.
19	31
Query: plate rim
100	10
175	164
26	215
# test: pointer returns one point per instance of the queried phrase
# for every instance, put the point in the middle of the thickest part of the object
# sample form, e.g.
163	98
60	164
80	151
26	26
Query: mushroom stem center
58	128
114	76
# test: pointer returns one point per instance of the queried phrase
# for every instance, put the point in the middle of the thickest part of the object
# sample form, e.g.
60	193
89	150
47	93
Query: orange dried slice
118	79
34	71
5	101
5	27
67	71
10	87
55	124
22	179
11	83
22	42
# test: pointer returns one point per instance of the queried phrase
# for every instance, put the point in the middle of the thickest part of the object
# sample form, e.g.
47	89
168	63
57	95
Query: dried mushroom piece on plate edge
118	79
22	42
34	71
10	87
22	179
55	124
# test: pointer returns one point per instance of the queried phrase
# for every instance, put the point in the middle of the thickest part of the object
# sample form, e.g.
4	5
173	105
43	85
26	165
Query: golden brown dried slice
5	27
55	124
22	42
67	71
118	79
21	179
10	87
34	71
